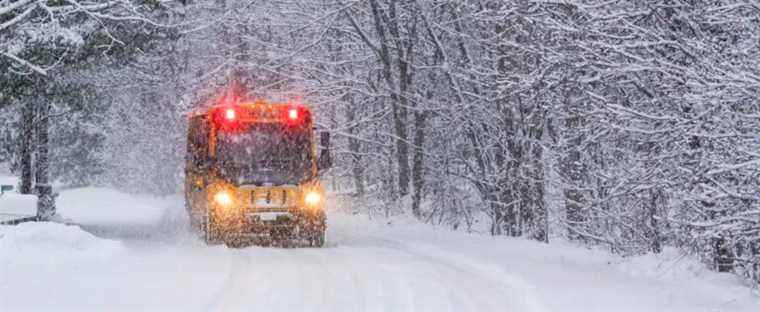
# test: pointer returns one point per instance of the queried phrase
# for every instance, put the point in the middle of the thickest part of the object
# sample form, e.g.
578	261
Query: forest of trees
626	124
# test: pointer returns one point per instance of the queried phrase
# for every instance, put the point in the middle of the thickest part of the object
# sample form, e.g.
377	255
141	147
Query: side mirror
325	158
6	188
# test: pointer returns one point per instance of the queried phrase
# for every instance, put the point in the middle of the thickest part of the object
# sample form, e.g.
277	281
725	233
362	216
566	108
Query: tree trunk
573	172
354	147
45	203
419	158
724	260
540	224
398	93
402	149
27	141
656	246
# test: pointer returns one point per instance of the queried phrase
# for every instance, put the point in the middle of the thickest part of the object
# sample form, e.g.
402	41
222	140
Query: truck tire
317	238
235	242
317	230
210	229
196	224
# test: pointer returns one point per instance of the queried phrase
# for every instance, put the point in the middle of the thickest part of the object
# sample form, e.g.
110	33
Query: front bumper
263	220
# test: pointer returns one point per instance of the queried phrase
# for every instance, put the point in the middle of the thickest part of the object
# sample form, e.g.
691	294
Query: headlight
313	198
223	198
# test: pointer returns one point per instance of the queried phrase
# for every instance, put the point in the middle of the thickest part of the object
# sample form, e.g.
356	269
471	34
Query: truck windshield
268	153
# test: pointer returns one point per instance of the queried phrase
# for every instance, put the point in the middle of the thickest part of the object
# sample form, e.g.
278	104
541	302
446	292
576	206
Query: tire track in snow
520	295
234	269
367	274
467	285
368	271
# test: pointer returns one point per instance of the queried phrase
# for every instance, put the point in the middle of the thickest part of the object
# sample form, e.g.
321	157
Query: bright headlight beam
223	198
313	198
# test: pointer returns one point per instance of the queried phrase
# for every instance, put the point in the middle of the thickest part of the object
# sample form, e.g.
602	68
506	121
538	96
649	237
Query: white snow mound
106	207
50	239
13	205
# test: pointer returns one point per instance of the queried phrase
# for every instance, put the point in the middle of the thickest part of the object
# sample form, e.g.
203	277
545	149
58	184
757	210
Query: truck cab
252	171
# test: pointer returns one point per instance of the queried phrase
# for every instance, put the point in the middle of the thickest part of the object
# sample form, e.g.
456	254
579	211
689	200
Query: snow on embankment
14	206
562	276
104	206
8	180
42	264
49	242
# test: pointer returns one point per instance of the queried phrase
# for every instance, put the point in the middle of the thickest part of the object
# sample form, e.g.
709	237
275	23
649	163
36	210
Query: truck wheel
281	236
317	238
210	229
196	224
316	230
235	242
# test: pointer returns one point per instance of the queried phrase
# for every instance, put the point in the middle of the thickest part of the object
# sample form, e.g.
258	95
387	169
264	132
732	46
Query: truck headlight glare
223	198
313	198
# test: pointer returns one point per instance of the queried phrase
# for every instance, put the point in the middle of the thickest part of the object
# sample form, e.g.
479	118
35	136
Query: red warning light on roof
293	114
230	114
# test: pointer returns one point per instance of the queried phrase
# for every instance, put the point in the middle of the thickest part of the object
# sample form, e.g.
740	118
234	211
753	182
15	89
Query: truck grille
274	197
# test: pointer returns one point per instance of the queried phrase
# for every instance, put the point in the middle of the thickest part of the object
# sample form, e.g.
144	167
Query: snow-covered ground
135	253
14	205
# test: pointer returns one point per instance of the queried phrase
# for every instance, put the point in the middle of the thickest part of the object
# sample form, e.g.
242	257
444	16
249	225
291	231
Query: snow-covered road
143	258
362	272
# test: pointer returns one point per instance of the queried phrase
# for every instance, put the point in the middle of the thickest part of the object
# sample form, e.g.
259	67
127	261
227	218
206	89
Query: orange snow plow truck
252	173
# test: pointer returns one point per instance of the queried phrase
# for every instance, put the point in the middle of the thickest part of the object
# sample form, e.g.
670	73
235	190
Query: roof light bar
293	114
230	114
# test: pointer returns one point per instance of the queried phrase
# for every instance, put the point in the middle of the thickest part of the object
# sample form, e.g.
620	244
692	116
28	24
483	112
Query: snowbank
671	267
43	264
104	206
14	205
562	276
8	180
50	242
667	266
